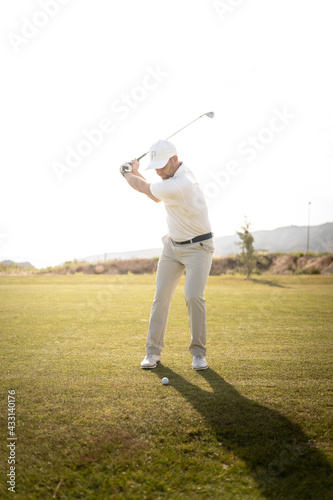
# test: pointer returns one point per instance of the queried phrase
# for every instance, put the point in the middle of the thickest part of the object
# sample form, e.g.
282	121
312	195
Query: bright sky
138	71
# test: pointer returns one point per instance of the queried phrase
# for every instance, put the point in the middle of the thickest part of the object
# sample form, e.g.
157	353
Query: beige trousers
196	259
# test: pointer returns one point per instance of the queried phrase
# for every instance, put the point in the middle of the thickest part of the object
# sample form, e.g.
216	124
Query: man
188	246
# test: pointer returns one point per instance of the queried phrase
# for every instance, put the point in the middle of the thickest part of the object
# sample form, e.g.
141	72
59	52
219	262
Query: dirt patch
320	263
84	268
328	270
223	265
117	442
283	264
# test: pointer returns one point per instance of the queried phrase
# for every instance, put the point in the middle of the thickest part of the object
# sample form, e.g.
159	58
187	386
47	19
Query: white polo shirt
186	207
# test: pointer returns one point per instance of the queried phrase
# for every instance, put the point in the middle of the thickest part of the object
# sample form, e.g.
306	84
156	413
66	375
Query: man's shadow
276	450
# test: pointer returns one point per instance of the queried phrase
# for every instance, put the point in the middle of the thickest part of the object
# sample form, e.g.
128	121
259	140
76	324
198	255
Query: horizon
38	265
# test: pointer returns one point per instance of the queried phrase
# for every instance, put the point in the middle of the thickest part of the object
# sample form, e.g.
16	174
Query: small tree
247	250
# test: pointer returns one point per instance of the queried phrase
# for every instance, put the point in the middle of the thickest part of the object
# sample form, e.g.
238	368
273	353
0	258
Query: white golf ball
165	380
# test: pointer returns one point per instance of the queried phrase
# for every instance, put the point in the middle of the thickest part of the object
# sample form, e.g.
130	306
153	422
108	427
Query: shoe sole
151	367
201	368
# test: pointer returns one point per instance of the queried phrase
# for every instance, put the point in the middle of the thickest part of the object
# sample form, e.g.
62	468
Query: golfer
188	246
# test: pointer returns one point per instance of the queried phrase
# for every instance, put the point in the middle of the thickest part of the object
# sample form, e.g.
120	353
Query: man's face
169	169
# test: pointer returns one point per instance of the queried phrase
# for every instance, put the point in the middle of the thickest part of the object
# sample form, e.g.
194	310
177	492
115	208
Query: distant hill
135	254
283	239
20	264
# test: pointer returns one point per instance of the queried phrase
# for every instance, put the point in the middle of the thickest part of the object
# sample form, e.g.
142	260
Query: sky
89	84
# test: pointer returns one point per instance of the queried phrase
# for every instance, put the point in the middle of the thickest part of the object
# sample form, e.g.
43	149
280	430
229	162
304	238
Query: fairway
91	424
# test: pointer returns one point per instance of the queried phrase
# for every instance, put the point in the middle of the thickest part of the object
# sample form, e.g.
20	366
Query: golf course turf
91	424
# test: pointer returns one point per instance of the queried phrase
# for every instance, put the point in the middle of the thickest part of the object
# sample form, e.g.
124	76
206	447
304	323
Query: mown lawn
91	424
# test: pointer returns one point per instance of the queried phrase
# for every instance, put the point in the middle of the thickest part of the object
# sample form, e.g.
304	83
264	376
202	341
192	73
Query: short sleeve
167	191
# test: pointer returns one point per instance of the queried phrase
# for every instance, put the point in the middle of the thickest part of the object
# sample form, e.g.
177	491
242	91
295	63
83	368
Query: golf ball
165	380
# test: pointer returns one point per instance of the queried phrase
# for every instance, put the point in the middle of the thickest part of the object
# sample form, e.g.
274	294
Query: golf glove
126	167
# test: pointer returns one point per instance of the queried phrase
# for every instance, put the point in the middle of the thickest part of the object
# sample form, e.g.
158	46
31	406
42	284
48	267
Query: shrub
309	270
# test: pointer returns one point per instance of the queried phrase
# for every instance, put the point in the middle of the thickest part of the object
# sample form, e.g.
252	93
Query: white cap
160	153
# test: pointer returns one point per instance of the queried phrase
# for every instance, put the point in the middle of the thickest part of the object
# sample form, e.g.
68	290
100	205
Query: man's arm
138	182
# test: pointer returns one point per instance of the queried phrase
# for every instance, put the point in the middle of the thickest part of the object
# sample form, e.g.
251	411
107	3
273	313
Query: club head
211	114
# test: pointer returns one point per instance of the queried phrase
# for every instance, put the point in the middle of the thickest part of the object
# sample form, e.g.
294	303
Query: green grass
256	425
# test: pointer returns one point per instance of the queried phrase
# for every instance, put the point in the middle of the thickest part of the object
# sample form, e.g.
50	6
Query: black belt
195	239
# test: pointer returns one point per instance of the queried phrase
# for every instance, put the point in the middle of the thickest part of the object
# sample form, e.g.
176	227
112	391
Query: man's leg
198	261
169	272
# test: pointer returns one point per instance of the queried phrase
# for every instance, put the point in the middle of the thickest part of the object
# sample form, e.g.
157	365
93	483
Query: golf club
210	115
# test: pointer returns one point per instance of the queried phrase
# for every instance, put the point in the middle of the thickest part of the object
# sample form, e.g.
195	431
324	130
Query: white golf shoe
151	361
199	363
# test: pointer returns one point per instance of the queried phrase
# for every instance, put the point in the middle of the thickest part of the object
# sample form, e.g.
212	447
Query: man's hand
126	167
135	166
131	166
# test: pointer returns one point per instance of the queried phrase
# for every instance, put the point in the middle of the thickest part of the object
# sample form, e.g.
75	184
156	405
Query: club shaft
142	156
185	126
175	133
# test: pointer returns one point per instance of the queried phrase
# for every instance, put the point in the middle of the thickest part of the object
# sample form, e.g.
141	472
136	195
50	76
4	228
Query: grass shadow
276	450
269	283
